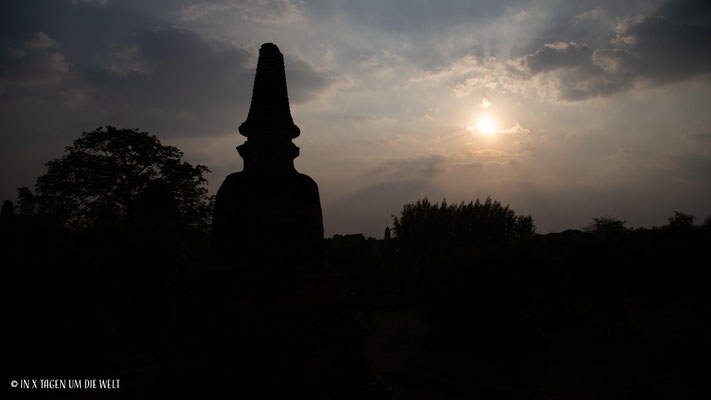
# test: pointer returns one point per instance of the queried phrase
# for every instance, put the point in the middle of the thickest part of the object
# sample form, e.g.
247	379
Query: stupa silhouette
273	319
269	211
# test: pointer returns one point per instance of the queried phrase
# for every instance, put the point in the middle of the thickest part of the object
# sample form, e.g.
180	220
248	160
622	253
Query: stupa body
274	321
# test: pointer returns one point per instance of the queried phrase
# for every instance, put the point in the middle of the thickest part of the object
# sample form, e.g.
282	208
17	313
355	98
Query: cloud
515	130
383	63
40	40
464	74
459	69
670	45
419	167
97	2
266	12
36	60
594	15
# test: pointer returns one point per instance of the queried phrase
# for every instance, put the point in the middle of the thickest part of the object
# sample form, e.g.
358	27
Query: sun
486	126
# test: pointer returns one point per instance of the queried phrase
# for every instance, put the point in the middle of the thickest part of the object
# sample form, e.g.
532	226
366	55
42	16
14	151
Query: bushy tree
607	224
476	222
103	178
681	220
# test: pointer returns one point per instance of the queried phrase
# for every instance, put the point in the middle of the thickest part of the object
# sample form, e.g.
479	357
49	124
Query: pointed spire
269	116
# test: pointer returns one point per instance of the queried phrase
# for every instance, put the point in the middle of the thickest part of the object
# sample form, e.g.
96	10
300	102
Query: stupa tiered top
269	127
269	116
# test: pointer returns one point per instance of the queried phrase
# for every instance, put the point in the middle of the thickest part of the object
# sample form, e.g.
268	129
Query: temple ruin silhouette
273	320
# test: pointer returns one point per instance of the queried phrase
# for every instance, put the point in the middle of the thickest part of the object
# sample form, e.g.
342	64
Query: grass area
401	352
397	343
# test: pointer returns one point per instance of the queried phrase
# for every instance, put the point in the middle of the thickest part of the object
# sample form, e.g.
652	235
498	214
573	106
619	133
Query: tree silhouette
104	174
681	220
477	222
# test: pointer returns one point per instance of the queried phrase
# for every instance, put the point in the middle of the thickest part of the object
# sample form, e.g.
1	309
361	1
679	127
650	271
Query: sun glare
486	126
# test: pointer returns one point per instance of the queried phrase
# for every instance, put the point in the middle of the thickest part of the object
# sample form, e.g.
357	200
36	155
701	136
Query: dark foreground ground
413	368
559	370
574	315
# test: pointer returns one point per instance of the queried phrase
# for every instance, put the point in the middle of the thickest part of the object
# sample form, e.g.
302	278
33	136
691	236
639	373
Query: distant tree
681	220
607	224
479	222
106	171
8	212
386	235
8	209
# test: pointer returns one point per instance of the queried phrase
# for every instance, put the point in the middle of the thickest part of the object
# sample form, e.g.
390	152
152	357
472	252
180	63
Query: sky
563	110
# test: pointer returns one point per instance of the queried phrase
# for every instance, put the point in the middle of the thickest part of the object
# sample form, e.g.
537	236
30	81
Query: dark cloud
175	70
577	71
305	80
582	21
559	55
33	61
672	44
132	70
